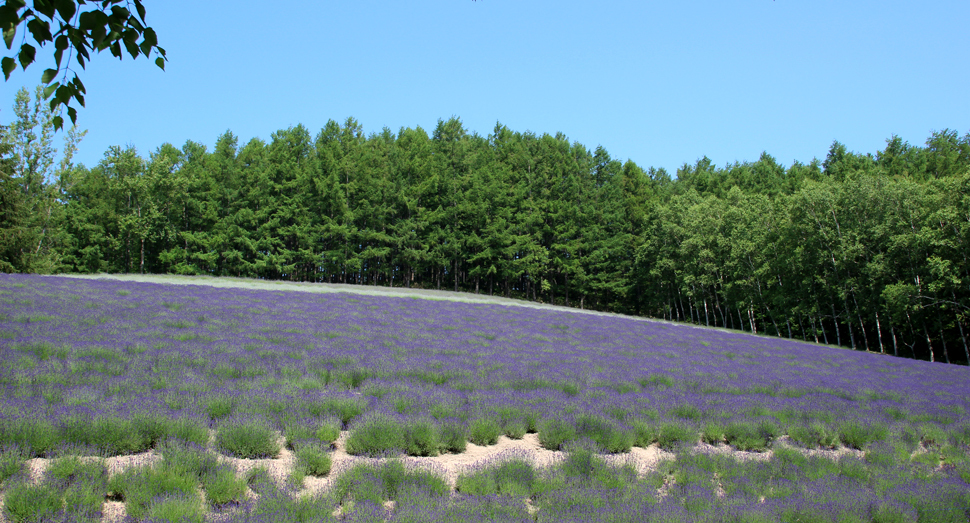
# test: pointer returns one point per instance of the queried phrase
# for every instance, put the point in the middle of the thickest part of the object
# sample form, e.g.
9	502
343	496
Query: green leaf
26	56
141	9
120	13
72	112
160	62
136	25
8	34
64	94
9	64
150	37
44	8
132	47
40	29
58	123
48	75
58	50
66	8
49	90
9	19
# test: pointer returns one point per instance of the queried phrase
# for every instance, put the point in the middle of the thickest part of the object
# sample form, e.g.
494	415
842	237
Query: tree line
868	251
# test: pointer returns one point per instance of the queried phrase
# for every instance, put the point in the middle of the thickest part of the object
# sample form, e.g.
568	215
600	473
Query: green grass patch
247	439
657	381
672	435
514	477
25	502
815	435
750	436
484	431
554	433
856	435
383	482
604	433
313	460
380	434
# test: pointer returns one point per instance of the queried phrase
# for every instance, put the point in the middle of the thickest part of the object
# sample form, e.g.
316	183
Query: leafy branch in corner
82	26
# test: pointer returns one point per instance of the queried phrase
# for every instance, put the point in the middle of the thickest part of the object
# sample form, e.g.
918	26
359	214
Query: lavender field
208	385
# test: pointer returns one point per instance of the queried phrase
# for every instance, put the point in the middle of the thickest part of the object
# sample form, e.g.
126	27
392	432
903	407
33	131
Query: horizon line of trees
867	251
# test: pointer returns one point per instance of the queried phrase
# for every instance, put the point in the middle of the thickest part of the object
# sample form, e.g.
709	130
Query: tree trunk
565	278
862	326
892	332
946	357
882	349
848	321
838	335
963	338
929	342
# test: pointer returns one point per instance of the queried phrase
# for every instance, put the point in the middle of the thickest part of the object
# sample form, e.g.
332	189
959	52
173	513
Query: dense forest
868	251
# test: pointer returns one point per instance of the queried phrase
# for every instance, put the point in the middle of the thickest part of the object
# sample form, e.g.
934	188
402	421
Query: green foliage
111	436
177	508
514	477
672	435
81	27
713	433
816	435
645	433
12	459
139	487
39	436
71	488
604	433
856	435
221	485
382	482
454	438
314	460
248	439
380	434
346	409
749	436
375	435
484	431
554	433
218	407
25	502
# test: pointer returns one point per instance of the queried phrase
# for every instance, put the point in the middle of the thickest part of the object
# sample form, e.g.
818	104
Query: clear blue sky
661	83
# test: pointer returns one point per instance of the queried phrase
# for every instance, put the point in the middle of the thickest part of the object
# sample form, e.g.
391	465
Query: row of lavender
77	349
581	486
